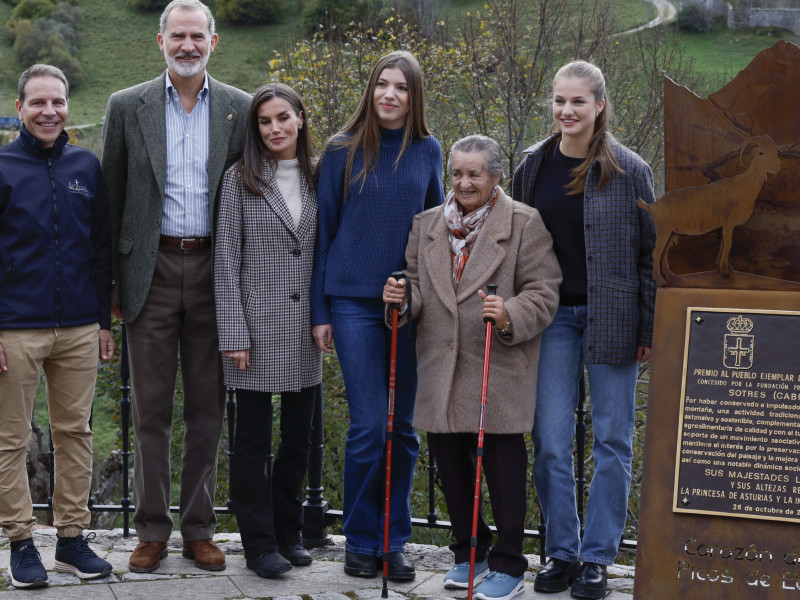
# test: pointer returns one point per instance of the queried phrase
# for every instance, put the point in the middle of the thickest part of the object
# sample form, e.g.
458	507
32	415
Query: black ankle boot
590	582
556	575
360	565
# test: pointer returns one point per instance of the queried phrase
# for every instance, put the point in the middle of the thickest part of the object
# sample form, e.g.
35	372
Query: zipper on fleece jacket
55	236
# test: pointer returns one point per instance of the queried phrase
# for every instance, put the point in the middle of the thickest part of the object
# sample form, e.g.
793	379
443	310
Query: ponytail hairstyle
249	166
600	147
362	130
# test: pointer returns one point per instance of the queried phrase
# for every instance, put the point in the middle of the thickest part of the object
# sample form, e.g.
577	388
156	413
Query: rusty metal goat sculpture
726	203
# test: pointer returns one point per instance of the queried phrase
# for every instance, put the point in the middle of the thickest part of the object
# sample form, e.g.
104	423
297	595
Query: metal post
315	508
580	447
51	467
125	417
432	516
230	406
90	501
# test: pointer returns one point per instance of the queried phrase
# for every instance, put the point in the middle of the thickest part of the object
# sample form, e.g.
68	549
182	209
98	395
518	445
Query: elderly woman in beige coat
477	237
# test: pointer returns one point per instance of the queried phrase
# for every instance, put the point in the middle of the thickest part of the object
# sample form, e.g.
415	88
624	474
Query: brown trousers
68	356
178	319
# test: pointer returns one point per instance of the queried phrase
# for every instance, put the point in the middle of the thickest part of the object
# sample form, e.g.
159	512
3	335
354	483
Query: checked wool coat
619	244
262	274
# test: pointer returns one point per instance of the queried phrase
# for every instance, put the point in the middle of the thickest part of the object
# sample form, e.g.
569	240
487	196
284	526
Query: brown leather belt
190	243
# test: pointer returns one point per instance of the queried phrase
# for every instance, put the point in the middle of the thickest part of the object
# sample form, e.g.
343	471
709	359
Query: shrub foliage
44	31
253	12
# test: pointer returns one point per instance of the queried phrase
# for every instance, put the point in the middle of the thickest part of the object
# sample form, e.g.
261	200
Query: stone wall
785	18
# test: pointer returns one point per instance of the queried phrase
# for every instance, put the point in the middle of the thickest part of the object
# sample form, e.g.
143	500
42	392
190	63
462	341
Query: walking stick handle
398	275
491	290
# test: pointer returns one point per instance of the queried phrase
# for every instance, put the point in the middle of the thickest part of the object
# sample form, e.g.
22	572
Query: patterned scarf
464	230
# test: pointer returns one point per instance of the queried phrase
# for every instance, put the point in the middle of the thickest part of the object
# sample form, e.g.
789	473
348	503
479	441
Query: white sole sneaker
463	585
36	583
478	577
518	589
63	567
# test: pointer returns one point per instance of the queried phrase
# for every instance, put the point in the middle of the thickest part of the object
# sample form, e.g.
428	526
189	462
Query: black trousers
505	463
270	510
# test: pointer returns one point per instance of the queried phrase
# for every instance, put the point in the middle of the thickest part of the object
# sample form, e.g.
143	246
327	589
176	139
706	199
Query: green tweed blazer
135	169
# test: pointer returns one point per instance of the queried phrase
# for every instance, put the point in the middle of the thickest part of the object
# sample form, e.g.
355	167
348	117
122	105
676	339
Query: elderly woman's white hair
484	144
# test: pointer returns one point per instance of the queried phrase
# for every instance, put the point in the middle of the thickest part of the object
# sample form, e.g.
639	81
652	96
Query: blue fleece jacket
55	247
362	238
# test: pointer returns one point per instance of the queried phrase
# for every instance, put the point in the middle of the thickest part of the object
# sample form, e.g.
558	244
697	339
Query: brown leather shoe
147	557
205	553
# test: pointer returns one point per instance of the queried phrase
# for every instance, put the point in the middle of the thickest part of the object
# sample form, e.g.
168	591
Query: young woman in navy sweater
380	170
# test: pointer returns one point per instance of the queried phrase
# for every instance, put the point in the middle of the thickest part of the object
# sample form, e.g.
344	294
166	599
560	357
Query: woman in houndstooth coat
263	258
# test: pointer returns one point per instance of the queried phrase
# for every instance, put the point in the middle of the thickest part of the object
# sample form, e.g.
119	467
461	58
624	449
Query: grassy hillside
720	55
119	49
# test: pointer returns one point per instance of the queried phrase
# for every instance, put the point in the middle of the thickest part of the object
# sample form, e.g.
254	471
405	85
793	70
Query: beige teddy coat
515	251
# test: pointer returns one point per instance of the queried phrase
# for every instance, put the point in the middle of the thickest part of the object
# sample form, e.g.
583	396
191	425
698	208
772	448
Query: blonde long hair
600	147
362	130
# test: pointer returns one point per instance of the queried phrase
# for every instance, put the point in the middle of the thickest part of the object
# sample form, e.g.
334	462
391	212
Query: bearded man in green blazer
166	144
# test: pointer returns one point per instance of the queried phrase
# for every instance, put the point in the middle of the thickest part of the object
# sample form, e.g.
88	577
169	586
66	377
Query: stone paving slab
177	577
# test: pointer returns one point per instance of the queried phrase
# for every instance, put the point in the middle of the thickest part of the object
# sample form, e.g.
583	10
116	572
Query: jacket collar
153	122
277	203
33	145
541	144
485	258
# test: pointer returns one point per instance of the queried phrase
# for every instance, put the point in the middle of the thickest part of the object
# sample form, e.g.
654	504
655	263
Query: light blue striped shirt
187	210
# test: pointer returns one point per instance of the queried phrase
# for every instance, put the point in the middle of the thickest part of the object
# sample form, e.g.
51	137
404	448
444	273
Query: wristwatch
507	330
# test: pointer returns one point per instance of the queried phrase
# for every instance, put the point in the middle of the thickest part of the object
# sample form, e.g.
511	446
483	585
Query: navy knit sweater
362	239
563	217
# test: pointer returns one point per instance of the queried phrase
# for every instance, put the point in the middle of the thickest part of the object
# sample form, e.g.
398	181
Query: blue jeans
612	394
363	347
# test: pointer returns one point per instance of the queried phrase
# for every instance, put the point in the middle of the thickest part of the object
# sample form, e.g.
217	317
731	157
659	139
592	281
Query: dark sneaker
268	564
76	557
296	554
27	570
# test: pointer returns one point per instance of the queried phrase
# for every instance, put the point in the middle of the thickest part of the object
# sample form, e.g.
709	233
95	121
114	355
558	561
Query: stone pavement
323	580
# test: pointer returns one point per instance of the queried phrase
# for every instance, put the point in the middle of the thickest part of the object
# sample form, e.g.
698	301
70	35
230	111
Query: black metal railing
317	515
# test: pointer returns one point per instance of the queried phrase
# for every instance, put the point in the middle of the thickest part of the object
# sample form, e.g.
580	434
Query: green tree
28	41
149	4
30	9
256	12
46	32
332	16
34	44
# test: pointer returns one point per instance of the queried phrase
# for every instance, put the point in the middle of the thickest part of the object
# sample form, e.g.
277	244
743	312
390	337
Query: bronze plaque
715	552
738	450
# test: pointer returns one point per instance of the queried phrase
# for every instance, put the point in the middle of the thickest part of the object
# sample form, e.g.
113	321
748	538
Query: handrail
317	515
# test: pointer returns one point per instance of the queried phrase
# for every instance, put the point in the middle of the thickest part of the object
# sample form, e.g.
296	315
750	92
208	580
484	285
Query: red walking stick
473	542
389	429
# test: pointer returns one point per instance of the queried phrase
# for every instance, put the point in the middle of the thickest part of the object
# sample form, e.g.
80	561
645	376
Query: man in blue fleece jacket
55	290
